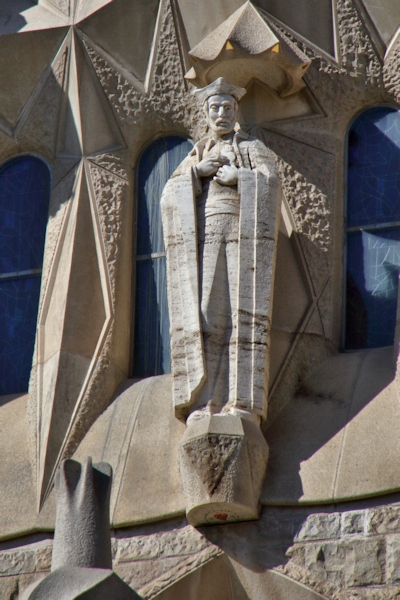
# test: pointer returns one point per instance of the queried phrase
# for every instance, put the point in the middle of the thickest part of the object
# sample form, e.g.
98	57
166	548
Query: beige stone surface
139	436
18	501
41	46
337	438
223	579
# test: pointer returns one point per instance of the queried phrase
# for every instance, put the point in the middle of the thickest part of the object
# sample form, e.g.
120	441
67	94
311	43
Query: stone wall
339	553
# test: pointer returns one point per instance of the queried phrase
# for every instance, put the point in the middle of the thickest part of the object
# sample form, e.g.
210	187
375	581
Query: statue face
222	113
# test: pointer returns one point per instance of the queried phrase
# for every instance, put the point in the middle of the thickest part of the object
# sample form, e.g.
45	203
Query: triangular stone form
291	14
129	42
73	323
314	325
172	70
41	47
65	6
85	8
37	127
244	29
246	47
87	123
75	10
385	15
211	456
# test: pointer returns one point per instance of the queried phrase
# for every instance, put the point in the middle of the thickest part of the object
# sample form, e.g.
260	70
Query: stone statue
219	220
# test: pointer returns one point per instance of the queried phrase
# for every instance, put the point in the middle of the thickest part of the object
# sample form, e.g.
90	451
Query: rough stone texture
393	558
320	527
82	534
353	522
391	76
222	461
151	558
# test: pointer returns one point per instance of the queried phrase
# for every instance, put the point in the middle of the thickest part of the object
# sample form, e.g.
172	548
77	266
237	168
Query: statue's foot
244	414
196	415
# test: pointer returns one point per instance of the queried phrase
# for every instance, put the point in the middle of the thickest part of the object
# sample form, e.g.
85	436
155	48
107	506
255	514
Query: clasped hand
218	166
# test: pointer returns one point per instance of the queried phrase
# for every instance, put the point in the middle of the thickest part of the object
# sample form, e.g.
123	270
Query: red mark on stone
221	516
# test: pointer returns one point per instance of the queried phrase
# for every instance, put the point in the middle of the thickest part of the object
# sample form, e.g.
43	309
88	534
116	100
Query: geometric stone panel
38	125
41	47
201	18
302	16
130	39
292	298
73	323
87	123
385	15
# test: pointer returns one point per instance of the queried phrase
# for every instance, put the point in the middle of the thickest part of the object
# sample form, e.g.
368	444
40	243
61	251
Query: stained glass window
24	204
151	354
373	229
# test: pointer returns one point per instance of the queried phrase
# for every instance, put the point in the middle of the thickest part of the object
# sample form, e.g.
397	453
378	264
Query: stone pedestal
222	462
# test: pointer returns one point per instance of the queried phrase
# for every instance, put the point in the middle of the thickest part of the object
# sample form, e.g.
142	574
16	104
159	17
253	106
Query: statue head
220	101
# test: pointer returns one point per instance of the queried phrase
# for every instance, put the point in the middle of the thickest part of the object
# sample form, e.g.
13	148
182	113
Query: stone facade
87	86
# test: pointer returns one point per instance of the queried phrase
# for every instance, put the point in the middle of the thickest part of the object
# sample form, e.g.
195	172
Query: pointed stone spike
87	123
69	141
77	307
99	128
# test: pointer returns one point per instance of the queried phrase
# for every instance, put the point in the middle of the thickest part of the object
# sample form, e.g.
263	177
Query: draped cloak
259	192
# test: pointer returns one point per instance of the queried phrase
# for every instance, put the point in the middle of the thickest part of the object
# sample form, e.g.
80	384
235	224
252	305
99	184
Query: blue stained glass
373	252
152	345
373	262
374	168
19	298
151	354
157	164
24	203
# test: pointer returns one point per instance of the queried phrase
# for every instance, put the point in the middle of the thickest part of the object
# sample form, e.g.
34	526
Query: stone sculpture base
70	583
222	462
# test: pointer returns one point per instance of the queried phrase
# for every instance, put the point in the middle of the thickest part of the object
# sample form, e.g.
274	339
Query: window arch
373	229
151	352
24	204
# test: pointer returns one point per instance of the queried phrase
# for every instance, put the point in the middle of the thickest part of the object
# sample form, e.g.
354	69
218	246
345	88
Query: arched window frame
39	270
346	230
137	257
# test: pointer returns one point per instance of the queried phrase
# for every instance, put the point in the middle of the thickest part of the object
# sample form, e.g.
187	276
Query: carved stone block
222	462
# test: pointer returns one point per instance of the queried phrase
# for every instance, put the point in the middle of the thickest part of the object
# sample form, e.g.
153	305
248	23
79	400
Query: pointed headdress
219	86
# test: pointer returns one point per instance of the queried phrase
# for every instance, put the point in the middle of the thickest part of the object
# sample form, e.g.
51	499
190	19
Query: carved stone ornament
81	562
222	462
245	47
220	227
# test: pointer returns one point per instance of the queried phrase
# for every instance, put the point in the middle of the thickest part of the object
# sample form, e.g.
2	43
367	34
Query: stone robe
259	192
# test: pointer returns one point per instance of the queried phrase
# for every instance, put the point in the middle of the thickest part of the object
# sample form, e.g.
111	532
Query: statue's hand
227	175
209	166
